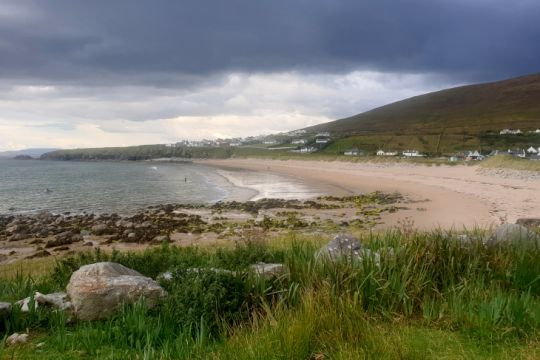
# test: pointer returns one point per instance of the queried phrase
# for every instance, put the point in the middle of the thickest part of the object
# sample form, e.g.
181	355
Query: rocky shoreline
44	233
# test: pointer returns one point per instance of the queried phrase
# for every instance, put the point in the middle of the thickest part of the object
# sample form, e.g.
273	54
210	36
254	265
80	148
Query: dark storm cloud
162	42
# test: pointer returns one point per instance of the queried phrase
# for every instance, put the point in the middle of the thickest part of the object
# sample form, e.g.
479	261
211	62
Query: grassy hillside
473	109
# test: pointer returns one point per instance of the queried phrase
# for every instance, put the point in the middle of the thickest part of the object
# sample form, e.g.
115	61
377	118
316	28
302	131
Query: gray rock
97	290
5	309
100	229
17	338
342	246
511	233
57	300
268	270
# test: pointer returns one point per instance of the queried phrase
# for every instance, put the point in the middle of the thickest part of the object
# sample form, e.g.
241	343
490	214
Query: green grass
430	296
510	162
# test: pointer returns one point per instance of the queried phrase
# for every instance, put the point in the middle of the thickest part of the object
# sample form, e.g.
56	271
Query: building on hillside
323	134
533	150
322	140
510	132
308	149
352	152
296	132
474	155
270	142
299	142
412	153
386	153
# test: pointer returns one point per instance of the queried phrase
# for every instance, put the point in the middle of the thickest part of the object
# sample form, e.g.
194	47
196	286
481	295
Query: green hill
473	109
442	122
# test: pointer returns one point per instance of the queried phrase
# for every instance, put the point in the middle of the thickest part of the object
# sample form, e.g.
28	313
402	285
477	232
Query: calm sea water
104	187
29	185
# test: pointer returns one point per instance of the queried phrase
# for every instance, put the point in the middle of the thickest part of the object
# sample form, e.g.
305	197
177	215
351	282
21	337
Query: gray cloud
167	41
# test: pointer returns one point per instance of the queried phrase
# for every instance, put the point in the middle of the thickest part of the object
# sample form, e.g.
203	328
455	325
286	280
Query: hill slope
473	109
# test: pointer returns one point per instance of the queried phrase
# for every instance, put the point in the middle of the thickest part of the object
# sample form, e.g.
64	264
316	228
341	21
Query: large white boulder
97	290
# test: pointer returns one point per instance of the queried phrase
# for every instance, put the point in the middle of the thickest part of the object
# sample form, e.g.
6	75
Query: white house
323	134
308	149
270	142
386	153
510	132
322	140
532	150
474	155
412	153
299	141
352	152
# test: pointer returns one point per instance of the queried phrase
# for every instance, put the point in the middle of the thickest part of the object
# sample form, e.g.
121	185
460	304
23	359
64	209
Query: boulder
97	290
5	310
511	233
268	270
342	246
100	229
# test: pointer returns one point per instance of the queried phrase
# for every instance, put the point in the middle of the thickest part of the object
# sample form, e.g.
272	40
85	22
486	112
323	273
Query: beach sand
441	196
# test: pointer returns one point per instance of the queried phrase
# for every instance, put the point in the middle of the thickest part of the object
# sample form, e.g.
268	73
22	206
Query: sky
126	72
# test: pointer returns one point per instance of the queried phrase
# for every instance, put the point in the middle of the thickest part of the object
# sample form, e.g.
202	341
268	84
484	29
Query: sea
28	186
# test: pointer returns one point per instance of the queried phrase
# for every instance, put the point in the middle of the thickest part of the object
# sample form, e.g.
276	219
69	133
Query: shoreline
443	196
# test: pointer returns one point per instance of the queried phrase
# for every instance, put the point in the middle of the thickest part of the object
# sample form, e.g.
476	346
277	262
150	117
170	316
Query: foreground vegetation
429	295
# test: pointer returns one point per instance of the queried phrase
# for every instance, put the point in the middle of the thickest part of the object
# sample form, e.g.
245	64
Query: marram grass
429	295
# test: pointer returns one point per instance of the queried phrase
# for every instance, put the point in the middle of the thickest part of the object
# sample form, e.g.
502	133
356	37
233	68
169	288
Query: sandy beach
440	196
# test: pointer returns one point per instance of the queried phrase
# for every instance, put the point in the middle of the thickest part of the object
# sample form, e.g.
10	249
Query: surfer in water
48	191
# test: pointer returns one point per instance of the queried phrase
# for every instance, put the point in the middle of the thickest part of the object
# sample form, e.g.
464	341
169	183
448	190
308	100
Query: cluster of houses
517	131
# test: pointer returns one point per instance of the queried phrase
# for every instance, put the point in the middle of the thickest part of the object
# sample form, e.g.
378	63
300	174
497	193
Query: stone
100	229
98	290
17	338
529	222
58	300
268	270
511	233
342	246
5	309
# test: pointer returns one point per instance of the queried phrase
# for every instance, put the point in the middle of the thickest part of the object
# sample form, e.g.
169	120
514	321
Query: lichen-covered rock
97	290
342	246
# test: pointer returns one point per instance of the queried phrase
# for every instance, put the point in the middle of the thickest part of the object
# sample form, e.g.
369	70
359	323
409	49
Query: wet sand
442	196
